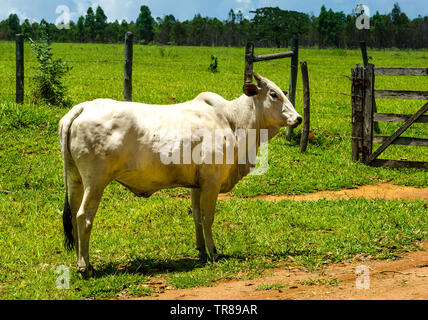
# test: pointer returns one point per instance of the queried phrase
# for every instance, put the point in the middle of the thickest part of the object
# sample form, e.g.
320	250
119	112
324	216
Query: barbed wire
121	59
121	79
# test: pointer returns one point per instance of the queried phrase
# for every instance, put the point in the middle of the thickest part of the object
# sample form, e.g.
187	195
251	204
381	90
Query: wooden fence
250	58
364	115
127	75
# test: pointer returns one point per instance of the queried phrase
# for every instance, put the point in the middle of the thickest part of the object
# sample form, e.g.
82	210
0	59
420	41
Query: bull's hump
111	114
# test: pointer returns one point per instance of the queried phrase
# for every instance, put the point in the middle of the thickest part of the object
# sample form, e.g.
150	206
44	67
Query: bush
214	64
47	84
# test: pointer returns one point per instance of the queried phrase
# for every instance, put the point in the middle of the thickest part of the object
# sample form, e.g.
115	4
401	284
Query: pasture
134	239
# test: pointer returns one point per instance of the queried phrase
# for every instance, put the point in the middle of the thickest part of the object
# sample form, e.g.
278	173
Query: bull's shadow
152	267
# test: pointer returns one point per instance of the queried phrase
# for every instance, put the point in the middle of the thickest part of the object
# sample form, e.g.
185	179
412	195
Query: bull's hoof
86	272
206	258
215	257
202	256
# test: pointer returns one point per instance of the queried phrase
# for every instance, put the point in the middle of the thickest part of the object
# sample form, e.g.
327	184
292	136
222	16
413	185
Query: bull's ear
250	89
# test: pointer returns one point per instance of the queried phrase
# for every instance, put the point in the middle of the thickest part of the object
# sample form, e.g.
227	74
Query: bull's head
276	109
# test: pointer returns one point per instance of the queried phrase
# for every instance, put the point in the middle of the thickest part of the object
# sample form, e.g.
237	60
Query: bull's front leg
196	210
208	199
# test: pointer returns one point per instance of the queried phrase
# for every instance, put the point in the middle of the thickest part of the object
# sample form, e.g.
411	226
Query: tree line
269	27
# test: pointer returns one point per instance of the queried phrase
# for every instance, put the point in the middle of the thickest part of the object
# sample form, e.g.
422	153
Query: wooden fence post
366	62
293	79
357	110
306	107
249	55
364	53
127	78
19	68
369	79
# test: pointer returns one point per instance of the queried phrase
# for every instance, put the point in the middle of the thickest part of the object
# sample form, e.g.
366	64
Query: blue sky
186	9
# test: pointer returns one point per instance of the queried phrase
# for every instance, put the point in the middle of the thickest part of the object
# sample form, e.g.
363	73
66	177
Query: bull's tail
64	132
68	226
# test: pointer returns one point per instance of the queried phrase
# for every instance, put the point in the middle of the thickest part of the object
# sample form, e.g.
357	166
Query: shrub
47	84
214	64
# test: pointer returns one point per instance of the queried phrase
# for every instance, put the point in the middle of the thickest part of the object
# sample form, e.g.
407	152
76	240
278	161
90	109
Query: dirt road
405	278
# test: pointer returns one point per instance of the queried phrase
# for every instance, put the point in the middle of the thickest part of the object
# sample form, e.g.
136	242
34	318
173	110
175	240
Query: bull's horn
257	76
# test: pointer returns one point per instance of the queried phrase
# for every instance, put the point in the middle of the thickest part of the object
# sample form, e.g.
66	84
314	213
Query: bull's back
127	142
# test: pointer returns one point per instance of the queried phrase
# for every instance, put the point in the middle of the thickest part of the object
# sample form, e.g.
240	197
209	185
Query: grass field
134	239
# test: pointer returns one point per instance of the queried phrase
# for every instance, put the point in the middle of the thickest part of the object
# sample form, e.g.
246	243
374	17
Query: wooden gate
250	58
363	116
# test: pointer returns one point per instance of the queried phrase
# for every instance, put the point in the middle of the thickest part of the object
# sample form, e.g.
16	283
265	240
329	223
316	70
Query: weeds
214	64
48	84
275	286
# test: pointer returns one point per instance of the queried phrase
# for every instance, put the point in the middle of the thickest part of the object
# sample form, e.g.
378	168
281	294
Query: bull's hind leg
75	195
84	219
196	210
208	199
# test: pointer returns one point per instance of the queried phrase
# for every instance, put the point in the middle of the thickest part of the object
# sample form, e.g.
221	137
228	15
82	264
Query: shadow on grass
149	267
153	267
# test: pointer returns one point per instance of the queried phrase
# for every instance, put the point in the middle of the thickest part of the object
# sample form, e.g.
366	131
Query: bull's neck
244	113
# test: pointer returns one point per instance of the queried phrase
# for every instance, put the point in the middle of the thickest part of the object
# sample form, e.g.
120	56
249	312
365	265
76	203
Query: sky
35	10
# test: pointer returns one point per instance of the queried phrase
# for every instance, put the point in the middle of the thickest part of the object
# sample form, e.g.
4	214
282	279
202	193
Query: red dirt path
406	278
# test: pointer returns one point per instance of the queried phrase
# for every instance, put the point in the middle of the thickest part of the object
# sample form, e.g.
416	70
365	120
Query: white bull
105	140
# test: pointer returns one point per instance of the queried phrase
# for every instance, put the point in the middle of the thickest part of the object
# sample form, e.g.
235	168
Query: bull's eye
274	95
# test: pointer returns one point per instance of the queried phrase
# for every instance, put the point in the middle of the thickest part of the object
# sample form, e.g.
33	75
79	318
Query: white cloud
21	15
113	9
245	6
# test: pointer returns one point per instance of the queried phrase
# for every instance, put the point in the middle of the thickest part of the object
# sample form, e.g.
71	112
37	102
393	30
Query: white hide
105	140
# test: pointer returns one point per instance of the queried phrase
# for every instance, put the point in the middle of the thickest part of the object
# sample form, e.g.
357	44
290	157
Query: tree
197	30
178	33
269	27
278	26
401	24
27	29
164	30
44	30
113	32
100	24
80	29
216	31
381	26
231	29
90	24
330	27
231	16
145	25
13	26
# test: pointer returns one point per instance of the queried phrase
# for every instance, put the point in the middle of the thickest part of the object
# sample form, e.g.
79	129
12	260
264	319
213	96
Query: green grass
320	282
273	286
134	239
